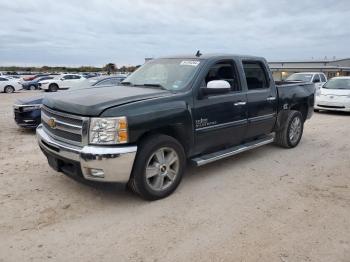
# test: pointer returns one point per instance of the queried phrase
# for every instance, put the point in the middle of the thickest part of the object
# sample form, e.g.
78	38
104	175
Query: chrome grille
64	127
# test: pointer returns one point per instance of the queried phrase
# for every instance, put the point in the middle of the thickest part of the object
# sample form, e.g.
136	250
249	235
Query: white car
9	85
334	95
318	78
66	81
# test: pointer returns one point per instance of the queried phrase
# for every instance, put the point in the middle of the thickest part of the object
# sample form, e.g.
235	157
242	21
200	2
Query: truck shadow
336	113
227	164
108	192
113	192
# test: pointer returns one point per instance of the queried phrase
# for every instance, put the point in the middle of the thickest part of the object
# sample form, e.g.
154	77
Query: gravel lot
270	204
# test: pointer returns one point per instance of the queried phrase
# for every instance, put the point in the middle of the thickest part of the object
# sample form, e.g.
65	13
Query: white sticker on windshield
190	63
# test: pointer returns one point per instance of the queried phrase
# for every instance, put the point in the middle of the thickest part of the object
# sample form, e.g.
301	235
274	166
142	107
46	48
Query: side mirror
216	87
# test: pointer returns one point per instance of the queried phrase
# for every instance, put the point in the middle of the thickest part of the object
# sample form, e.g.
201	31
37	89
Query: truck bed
296	94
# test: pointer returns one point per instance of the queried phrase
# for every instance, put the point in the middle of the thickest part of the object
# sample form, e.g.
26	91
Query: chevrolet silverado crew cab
170	112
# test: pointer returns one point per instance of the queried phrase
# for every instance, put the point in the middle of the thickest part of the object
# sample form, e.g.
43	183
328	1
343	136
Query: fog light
97	172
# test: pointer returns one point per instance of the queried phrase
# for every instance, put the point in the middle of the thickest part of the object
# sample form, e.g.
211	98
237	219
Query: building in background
334	67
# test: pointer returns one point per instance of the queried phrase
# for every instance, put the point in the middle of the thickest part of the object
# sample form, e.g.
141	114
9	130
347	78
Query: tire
294	124
53	88
32	87
153	178
9	89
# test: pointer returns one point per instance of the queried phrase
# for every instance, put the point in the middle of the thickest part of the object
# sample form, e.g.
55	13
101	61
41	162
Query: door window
256	75
67	77
316	79
323	78
105	82
224	70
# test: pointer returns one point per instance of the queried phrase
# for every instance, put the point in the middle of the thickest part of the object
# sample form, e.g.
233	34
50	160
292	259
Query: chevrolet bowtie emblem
52	122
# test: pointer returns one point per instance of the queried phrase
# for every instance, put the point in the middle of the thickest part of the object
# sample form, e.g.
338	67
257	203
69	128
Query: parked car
65	81
171	110
109	81
9	85
27	112
318	78
334	95
90	75
32	77
34	84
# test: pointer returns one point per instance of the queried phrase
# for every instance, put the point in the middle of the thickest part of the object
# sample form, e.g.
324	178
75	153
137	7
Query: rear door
220	120
67	82
76	81
261	99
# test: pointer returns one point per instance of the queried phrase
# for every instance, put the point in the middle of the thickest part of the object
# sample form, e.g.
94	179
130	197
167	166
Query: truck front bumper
97	163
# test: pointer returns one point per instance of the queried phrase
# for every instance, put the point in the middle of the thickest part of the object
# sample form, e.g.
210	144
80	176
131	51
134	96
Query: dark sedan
34	84
27	112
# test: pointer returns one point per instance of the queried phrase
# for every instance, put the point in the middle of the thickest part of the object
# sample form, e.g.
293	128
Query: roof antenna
198	54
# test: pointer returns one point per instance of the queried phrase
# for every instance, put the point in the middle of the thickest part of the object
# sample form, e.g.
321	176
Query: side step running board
206	159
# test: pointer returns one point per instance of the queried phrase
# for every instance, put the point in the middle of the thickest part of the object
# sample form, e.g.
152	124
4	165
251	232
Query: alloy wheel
162	168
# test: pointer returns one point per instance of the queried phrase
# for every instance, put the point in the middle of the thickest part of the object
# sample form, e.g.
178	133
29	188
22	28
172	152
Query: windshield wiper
153	85
126	83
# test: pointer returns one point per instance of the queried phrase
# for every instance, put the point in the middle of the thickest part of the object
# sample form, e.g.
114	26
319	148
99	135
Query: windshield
169	74
300	77
338	84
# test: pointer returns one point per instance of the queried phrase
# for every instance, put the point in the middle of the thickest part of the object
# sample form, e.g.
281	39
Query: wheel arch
283	114
302	108
175	131
14	89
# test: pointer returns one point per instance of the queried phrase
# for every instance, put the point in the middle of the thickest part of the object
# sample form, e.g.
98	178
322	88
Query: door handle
240	103
271	98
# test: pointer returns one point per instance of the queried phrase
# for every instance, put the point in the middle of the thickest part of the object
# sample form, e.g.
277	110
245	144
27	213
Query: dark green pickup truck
170	112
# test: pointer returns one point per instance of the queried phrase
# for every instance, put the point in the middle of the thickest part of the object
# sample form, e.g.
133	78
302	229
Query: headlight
108	131
31	108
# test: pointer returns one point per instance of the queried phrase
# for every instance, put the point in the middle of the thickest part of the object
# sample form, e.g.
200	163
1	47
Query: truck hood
93	101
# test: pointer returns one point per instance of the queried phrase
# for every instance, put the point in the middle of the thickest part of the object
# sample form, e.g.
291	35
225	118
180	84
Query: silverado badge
52	123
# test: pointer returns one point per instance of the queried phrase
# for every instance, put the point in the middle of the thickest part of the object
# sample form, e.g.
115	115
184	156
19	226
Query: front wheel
290	135
53	88
32	87
158	168
9	89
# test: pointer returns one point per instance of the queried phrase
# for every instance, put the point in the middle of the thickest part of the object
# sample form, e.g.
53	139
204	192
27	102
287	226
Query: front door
220	120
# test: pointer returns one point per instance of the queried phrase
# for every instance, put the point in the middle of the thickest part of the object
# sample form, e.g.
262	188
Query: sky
96	32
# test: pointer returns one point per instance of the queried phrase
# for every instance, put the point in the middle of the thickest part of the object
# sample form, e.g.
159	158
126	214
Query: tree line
110	68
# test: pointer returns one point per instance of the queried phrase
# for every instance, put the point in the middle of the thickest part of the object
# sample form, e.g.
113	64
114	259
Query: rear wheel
9	89
159	166
53	88
291	133
32	87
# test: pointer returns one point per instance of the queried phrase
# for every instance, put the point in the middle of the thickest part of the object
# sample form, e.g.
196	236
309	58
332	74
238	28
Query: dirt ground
270	204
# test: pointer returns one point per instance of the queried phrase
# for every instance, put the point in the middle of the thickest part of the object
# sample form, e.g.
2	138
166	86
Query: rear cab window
256	75
316	78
